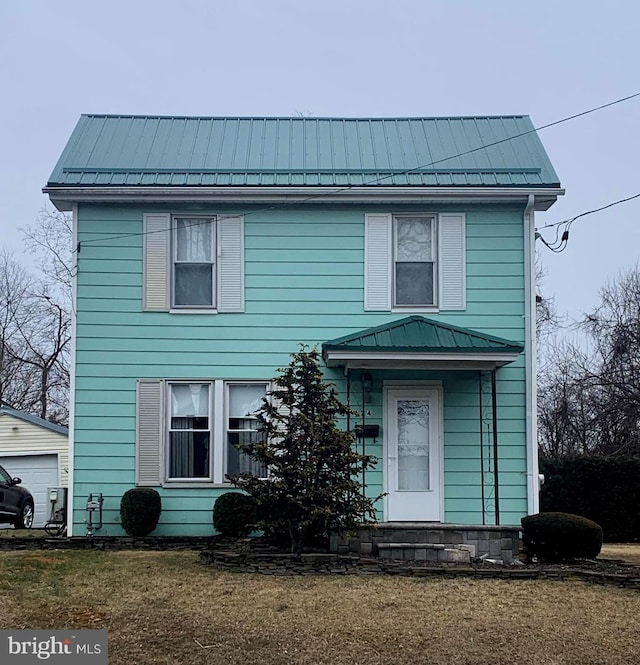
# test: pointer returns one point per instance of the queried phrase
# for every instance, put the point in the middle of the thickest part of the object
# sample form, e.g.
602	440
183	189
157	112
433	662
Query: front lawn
626	551
165	608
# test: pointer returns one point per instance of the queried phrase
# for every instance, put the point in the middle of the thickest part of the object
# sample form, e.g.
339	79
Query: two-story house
208	249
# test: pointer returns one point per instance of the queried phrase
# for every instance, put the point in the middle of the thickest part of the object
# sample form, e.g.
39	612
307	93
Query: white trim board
63	197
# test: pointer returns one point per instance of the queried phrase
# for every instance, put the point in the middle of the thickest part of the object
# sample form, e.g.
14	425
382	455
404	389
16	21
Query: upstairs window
414	261
193	264
194	267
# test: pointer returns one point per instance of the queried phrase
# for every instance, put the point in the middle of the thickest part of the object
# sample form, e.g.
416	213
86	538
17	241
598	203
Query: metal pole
495	444
348	400
363	436
484	516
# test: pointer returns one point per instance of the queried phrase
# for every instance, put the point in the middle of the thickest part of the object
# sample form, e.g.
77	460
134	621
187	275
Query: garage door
38	472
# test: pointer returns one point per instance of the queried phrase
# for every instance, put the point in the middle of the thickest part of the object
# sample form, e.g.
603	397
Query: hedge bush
605	490
558	537
140	510
234	514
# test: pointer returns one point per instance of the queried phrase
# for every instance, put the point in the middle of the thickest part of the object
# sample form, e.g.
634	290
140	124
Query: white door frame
433	387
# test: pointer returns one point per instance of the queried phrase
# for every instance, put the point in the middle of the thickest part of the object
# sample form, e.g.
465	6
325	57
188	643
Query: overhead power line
559	243
389	175
590	212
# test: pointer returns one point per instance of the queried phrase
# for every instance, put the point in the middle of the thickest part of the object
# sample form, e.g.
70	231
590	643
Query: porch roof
416	342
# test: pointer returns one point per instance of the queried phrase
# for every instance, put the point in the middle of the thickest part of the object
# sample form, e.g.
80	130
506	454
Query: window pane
190	400
413	444
245	399
194	240
413	239
189	454
190	423
240	462
193	284
414	284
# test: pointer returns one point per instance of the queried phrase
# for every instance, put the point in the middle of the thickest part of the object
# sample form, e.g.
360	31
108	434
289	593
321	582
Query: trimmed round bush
234	514
140	510
555	537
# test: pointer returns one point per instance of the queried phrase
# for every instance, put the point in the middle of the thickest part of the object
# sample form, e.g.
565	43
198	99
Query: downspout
72	376
533	485
496	471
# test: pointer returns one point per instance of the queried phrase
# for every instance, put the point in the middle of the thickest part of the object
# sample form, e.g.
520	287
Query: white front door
413	454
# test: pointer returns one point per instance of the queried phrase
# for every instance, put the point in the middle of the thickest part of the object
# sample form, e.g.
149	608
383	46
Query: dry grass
156	605
11	532
626	551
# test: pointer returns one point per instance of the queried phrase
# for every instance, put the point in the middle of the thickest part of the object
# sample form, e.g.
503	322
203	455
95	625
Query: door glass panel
413	444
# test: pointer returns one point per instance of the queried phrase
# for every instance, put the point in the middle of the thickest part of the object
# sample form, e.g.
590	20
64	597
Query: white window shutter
156	268
452	261
149	431
377	262
230	264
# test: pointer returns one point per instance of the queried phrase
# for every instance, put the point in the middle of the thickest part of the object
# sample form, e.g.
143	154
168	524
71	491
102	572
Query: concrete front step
431	552
497	542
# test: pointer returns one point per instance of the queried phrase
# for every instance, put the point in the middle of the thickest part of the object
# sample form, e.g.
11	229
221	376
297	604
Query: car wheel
25	521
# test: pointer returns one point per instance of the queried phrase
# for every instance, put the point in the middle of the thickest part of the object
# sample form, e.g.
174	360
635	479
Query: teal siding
315	297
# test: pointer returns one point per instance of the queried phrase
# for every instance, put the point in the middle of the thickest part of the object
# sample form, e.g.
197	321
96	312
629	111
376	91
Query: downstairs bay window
191	432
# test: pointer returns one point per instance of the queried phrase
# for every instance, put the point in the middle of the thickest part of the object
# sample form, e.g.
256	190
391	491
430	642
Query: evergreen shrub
234	514
555	537
140	510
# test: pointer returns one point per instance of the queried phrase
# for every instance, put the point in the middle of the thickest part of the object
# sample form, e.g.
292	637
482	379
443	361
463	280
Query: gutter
63	197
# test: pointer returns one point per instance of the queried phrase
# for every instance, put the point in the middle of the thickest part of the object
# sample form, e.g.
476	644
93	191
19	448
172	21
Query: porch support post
348	373
364	438
481	423
496	483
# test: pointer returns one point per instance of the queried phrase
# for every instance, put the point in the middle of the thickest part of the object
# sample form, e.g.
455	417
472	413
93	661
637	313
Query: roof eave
64	196
34	420
417	360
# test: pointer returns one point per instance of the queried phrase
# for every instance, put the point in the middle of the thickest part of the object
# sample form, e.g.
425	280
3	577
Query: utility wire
385	177
558	246
589	212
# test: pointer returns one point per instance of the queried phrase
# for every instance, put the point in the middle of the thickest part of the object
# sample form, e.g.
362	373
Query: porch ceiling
416	342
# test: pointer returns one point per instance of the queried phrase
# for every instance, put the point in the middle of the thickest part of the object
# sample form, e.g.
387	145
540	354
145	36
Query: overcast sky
341	58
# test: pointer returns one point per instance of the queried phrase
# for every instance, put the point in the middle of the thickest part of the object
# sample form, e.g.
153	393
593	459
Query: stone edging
340	564
108	543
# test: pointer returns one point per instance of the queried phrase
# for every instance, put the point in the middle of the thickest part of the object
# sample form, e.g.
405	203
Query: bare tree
49	239
35	322
589	393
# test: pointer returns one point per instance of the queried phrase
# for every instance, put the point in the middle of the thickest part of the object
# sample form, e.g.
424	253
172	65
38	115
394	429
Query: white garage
38	473
36	451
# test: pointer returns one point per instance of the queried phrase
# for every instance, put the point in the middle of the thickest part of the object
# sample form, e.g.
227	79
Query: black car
16	503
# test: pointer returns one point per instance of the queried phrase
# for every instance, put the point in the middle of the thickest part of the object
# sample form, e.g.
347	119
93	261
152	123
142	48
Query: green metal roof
107	150
421	335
